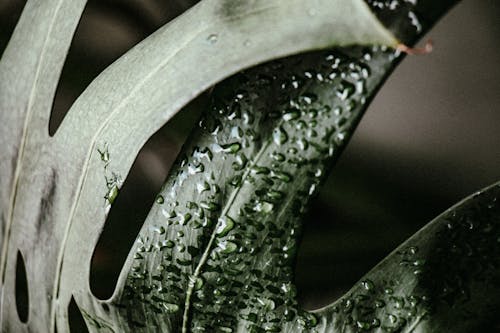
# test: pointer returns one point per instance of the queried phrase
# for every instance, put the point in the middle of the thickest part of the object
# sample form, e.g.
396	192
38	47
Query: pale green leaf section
52	189
29	74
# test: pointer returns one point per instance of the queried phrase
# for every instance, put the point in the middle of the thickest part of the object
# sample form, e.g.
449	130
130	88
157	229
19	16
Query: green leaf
55	192
250	169
446	278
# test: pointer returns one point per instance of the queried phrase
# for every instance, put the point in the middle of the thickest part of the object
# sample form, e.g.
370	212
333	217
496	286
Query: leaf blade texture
215	251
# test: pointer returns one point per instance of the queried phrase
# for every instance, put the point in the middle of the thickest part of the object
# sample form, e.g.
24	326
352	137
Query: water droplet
308	98
237	132
348	305
210	205
231	148
283	176
196	168
201	187
346	90
273	195
212	38
413	250
160	230
259	170
280	136
312	189
169	214
415	21
363	325
185	218
267	304
264	207
291	115
227	247
240	162
392	319
159	199
225	225
368	285
303	144
170	307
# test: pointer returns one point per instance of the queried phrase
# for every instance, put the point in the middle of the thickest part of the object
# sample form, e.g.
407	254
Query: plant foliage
215	253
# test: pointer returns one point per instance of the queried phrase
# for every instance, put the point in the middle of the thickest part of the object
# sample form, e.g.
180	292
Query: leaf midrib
208	250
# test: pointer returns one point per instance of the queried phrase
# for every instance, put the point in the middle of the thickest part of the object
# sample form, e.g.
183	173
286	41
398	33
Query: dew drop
283	176
392	319
368	285
212	38
197	168
227	247
201	187
260	170
415	21
160	230
170	307
225	225
279	136
291	115
278	157
159	199
264	207
185	219
303	144
237	132
210	206
231	148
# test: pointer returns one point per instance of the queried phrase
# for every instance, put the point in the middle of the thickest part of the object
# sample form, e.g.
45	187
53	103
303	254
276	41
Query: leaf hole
107	29
75	318
22	293
10	12
136	197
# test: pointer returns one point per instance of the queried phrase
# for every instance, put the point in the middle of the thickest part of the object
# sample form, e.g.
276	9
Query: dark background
430	138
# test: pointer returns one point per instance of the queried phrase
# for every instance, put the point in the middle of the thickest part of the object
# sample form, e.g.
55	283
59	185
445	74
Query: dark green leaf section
409	19
446	278
224	228
216	253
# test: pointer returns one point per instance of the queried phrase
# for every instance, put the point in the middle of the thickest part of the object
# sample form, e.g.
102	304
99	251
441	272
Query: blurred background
430	138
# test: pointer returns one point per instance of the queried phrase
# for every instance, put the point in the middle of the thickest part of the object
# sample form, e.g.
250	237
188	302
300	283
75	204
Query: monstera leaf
216	251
